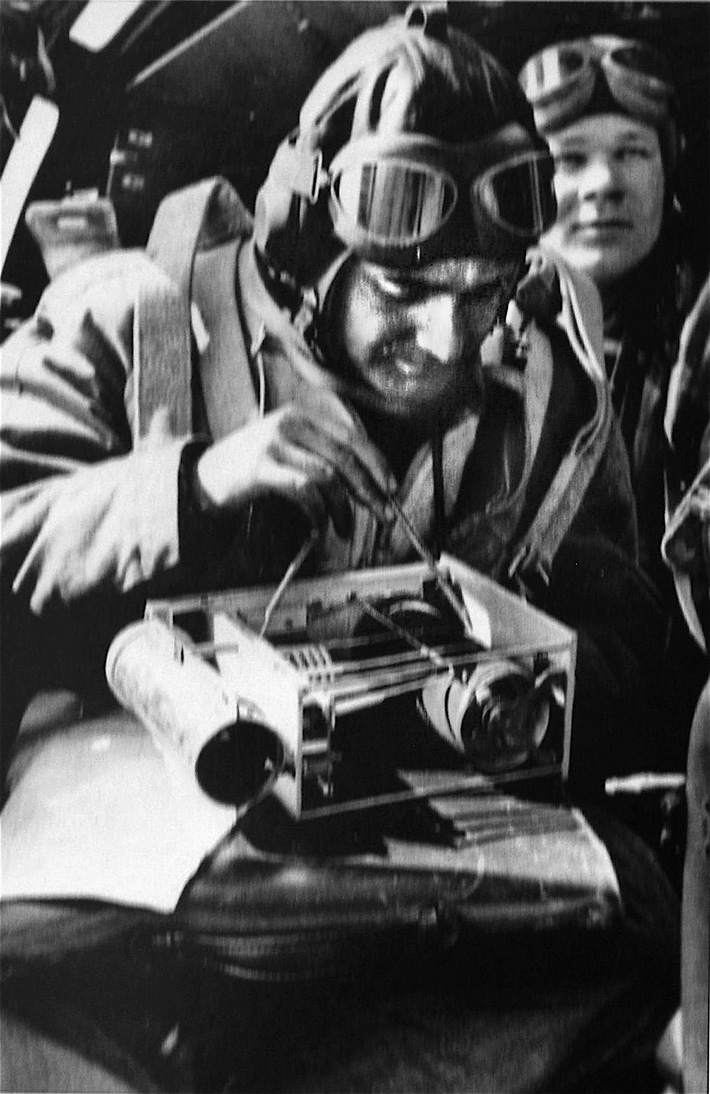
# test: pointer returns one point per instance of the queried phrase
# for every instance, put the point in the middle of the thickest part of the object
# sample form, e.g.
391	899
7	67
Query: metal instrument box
375	690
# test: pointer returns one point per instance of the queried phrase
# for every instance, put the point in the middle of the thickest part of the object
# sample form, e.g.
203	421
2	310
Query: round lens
519	197
394	202
642	59
550	70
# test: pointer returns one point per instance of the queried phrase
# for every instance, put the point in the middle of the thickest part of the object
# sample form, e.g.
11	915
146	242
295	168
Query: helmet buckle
429	16
308	178
301	170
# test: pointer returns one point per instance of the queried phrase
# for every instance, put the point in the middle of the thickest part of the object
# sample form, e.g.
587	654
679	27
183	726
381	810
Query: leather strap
582	322
198	217
227	386
161	356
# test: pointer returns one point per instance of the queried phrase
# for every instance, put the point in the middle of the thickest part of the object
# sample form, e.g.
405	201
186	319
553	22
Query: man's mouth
610	226
403	374
407	380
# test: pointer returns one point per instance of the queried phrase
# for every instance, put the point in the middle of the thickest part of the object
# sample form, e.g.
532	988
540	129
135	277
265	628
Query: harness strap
582	322
198	217
227	386
161	356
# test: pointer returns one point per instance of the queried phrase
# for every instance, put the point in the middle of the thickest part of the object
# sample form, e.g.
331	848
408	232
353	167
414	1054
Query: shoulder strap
198	217
225	371
581	319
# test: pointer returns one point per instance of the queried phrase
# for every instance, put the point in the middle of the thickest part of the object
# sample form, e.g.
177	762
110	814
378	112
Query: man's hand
316	455
108	524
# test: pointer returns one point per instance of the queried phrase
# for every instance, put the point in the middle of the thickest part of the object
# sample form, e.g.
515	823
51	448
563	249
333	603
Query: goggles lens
396	204
551	70
643	60
519	196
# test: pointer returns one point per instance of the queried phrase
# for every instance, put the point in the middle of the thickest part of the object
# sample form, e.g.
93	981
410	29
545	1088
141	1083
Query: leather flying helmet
414	145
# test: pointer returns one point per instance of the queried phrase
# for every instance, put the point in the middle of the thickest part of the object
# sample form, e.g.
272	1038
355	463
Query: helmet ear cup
276	226
293	233
277	217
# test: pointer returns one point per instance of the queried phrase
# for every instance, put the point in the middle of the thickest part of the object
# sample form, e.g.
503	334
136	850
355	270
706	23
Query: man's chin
414	409
603	264
394	407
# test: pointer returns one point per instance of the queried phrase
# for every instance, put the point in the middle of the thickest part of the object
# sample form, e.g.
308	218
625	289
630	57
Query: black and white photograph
355	546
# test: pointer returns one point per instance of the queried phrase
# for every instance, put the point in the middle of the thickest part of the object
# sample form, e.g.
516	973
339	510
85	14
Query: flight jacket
97	517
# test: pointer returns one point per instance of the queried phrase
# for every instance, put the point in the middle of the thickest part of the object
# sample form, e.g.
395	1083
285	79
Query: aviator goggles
392	200
559	81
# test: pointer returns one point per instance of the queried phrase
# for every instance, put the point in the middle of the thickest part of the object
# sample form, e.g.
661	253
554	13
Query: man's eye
406	290
633	152
569	161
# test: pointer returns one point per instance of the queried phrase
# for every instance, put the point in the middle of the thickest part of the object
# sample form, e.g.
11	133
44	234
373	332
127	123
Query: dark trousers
566	1010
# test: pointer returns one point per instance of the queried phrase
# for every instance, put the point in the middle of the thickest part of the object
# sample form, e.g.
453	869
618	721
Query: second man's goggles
392	199
560	80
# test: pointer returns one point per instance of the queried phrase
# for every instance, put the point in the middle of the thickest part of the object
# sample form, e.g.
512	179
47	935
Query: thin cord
258	359
426	651
291	570
438	477
426	555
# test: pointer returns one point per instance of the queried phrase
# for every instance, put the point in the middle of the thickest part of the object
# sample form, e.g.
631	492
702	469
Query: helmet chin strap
313	299
304	303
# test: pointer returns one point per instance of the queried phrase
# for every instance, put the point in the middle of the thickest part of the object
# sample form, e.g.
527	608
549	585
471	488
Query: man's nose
442	328
601	176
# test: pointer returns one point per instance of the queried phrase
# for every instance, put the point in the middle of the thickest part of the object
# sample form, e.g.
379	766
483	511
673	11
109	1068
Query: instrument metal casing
311	707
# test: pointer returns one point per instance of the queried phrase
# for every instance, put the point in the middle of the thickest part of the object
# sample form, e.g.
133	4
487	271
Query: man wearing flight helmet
388	239
621	90
608	107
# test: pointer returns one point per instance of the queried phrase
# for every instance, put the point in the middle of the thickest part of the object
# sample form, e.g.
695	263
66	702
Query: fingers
331	415
44	575
25	524
318	455
313	485
347	450
59	561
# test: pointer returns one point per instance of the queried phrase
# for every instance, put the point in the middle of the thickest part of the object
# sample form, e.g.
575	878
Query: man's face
409	339
610	187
